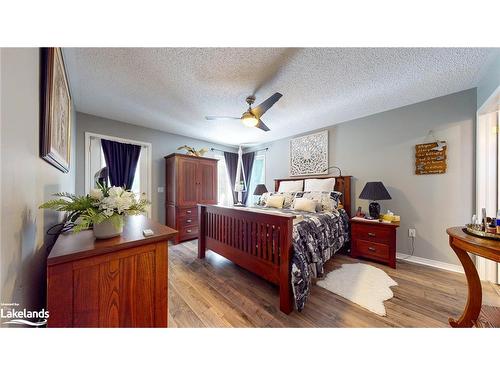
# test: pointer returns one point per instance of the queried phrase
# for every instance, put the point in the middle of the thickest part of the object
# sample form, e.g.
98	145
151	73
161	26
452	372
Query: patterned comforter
315	239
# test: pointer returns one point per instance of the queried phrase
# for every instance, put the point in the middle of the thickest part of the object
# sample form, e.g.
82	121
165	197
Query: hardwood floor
214	292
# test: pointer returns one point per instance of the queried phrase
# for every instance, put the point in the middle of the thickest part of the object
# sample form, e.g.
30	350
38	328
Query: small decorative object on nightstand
374	240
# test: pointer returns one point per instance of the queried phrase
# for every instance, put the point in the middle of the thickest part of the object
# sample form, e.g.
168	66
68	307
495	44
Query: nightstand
374	240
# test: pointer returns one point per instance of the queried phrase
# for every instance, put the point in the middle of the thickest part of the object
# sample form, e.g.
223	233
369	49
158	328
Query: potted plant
103	209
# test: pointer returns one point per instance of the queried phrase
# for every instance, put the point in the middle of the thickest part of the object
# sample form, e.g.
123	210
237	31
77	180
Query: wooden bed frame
260	242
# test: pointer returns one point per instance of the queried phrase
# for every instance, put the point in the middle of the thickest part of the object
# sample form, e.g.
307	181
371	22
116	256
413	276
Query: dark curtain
121	160
247	167
231	165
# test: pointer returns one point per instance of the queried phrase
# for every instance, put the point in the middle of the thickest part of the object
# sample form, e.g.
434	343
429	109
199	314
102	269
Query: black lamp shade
260	189
375	191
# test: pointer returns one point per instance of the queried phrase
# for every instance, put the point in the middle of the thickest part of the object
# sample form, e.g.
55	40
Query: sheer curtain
488	181
225	195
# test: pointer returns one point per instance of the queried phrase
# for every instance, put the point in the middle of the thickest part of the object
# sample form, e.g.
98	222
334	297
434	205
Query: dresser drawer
188	211
372	249
372	233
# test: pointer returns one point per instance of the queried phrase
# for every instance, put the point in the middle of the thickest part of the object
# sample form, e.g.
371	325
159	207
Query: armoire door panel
207	182
187	182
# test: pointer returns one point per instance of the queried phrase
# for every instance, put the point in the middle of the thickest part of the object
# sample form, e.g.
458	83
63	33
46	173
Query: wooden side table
374	240
462	244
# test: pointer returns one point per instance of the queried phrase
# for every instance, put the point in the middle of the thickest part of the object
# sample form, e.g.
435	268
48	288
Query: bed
268	243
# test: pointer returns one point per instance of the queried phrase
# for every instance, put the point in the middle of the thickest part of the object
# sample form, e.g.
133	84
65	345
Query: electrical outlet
412	232
160	189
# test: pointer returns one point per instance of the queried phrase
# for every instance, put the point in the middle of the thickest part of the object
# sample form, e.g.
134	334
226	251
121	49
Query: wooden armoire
189	180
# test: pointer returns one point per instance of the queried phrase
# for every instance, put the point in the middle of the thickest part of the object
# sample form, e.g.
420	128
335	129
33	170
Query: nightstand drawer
372	233
372	249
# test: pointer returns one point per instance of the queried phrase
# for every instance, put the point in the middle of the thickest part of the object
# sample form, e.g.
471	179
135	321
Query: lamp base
374	209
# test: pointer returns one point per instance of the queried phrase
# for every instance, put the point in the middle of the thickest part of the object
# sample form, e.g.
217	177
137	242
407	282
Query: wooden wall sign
430	158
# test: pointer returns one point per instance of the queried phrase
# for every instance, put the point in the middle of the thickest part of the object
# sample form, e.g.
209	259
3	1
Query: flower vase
107	229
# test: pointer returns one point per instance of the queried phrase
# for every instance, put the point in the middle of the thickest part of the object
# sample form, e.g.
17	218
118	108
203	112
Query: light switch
160	189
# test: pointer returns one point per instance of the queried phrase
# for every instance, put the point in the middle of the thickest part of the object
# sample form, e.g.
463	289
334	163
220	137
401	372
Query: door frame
488	270
149	151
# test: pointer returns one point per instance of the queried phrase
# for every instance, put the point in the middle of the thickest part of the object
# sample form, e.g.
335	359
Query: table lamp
259	190
374	191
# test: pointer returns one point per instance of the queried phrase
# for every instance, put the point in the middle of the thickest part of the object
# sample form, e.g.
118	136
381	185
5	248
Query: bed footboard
257	241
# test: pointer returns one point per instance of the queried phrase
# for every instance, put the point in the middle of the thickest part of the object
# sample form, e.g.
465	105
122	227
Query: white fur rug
363	284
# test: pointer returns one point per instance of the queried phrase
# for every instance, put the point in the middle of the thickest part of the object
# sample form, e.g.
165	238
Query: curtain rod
216	149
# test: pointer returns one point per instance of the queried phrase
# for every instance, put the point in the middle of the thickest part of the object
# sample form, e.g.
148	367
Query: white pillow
304	204
319	184
275	201
291	186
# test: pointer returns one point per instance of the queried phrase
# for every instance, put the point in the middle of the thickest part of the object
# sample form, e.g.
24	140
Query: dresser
374	240
117	282
189	180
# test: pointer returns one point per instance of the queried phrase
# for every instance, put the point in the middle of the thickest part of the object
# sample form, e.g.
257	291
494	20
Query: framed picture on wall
55	110
309	154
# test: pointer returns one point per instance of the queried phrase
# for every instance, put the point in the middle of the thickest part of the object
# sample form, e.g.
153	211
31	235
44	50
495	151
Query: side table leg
475	297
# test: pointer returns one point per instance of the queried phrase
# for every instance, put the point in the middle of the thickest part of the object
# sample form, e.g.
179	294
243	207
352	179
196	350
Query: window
94	161
258	175
225	195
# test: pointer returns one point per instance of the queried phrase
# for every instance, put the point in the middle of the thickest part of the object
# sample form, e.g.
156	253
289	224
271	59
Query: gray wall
26	182
162	145
381	147
489	82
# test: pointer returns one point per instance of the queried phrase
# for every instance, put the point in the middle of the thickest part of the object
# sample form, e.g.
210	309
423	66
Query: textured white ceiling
172	89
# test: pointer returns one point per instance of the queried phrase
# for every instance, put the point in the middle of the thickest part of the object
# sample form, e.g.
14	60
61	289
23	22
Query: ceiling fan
251	118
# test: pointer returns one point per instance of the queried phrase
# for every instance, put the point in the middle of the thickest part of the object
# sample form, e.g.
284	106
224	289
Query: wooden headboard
342	184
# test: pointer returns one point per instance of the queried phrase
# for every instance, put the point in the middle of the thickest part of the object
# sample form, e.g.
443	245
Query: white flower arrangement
99	205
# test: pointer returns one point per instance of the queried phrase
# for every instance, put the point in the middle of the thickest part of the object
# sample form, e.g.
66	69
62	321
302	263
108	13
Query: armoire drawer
187	211
183	221
188	231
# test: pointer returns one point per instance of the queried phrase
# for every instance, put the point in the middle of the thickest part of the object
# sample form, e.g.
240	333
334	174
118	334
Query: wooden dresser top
175	154
72	246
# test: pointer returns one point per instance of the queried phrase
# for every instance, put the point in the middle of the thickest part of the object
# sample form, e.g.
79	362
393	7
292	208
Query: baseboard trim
430	262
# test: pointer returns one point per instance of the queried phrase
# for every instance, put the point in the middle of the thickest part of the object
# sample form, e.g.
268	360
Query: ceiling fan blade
266	104
222	118
262	126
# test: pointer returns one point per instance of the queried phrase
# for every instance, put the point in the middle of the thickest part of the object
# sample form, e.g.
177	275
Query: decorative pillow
263	198
329	200
288	198
336	195
304	204
275	201
319	184
291	186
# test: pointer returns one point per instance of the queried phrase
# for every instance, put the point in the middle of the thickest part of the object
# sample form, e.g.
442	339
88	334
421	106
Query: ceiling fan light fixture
249	120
